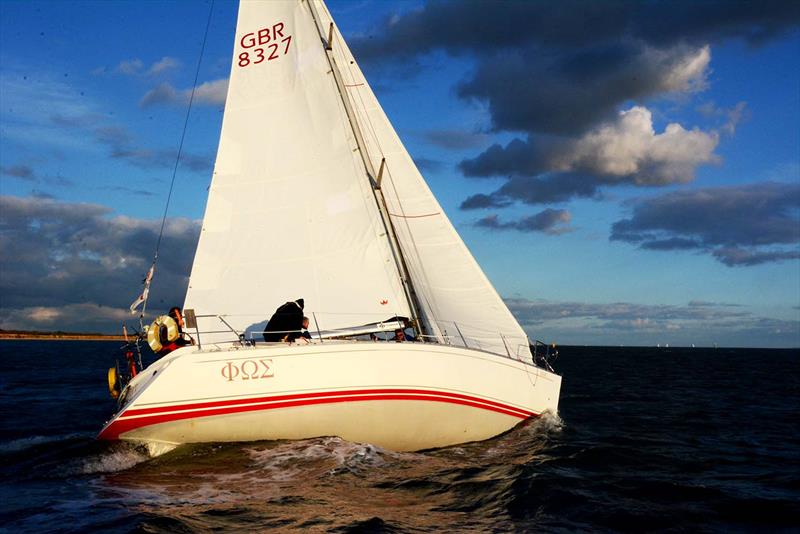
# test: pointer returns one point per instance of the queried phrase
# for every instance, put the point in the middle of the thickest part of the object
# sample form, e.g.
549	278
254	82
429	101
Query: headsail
290	211
456	298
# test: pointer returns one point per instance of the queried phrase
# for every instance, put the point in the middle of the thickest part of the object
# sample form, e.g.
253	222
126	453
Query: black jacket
287	318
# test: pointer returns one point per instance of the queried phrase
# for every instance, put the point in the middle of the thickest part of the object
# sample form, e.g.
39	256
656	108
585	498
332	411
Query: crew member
181	341
286	323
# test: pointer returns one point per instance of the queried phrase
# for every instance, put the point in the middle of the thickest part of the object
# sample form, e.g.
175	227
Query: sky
626	173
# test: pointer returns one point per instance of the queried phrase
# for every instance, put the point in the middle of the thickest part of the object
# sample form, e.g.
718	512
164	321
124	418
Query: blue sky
596	226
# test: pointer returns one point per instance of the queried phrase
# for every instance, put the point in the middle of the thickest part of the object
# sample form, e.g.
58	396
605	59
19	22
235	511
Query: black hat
301	303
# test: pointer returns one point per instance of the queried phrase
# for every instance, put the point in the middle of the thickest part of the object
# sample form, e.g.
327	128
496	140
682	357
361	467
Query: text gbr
263	44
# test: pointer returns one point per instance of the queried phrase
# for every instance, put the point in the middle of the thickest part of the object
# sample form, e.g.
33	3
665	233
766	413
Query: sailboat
313	195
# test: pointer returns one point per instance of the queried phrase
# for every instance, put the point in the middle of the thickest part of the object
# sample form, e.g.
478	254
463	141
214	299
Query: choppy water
672	439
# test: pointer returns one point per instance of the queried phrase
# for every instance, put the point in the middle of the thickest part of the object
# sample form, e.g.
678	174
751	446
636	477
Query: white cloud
163	65
130	66
71	265
630	146
211	93
135	67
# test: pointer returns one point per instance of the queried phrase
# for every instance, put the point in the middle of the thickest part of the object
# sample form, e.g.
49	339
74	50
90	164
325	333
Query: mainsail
290	213
291	210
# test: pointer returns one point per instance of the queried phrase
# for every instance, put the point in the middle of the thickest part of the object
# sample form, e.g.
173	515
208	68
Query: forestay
456	298
290	211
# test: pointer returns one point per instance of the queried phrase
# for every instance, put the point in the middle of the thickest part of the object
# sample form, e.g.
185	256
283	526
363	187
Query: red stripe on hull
153	416
321	394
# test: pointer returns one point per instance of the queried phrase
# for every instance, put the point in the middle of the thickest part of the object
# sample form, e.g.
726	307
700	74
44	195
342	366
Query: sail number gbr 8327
265	44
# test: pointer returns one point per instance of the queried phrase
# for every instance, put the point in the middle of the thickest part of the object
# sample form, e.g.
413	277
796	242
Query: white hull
401	396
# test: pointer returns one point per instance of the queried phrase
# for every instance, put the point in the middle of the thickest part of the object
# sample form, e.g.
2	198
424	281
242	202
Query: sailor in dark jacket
286	323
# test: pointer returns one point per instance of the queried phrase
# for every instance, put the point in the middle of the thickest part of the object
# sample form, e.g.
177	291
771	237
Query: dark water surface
694	440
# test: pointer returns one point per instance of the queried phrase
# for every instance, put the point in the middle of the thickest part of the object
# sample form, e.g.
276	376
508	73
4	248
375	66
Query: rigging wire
351	112
349	62
180	145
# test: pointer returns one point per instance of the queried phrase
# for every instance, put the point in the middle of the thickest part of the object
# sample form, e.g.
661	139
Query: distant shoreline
60	337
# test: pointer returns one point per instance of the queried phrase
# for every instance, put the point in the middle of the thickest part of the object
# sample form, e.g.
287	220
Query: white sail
293	212
456	298
290	212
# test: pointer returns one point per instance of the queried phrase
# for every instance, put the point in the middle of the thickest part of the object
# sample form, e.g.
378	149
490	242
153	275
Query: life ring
113	382
154	337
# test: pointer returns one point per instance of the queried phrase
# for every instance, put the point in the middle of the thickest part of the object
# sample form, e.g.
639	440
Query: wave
119	457
21	444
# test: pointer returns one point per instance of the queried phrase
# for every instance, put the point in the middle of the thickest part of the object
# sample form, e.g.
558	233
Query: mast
380	200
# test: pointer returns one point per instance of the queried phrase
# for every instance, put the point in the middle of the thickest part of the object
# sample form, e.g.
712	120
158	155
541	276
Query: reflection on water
323	483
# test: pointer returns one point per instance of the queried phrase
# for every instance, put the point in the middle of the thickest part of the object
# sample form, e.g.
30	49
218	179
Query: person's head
175	313
305	323
399	334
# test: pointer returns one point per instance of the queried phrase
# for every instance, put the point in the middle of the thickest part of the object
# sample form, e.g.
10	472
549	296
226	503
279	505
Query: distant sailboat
314	196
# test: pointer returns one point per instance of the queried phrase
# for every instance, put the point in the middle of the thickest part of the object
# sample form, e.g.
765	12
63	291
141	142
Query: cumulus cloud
549	221
626	149
557	75
740	226
630	147
566	95
212	93
57	256
561	67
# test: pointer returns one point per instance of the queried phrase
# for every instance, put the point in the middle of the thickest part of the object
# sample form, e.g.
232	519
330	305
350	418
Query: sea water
694	440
